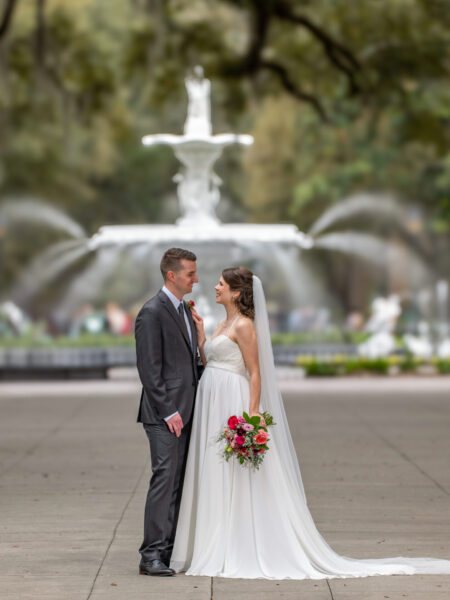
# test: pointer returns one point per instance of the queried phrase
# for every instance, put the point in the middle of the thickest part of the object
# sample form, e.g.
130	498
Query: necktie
181	313
183	322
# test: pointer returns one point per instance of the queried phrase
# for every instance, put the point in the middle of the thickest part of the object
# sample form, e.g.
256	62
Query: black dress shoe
156	568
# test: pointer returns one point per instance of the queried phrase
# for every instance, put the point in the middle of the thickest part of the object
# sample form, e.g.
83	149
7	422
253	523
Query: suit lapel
176	317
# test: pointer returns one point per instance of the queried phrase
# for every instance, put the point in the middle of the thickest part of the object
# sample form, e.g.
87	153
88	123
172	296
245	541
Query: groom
166	350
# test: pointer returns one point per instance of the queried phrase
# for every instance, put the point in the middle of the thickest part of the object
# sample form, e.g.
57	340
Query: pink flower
232	422
261	437
240	439
241	420
248	427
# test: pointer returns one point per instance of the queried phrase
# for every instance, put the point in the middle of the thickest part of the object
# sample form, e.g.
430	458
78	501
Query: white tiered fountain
198	188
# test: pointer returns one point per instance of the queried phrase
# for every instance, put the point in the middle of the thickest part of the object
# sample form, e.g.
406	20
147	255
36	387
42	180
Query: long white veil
323	558
271	399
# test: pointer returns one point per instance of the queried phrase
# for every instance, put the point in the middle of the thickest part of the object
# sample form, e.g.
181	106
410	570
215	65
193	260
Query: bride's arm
202	354
201	337
246	338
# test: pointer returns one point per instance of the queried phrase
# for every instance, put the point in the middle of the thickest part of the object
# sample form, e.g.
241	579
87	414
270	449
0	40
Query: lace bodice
221	352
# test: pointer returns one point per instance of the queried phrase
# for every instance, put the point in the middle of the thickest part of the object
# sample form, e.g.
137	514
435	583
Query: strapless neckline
223	336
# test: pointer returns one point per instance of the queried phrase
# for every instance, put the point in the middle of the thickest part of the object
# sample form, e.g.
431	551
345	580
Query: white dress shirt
176	302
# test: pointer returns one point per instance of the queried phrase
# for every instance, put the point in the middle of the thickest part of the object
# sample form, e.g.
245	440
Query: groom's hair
171	260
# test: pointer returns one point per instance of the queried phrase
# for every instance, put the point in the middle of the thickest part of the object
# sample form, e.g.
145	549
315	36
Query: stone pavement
375	458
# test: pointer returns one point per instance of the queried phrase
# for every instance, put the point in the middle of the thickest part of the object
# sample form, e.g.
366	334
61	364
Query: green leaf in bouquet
241	460
268	418
246	417
255	421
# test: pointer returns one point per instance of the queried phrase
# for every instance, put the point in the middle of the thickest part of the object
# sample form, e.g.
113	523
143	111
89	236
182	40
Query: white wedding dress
238	522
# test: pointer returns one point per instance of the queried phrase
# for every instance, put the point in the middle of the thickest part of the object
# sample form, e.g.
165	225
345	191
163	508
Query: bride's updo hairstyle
240	279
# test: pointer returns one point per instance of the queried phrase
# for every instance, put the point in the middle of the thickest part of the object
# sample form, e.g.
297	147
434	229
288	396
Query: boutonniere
190	304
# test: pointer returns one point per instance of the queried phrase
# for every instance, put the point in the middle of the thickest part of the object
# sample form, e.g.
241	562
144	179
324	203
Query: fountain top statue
198	122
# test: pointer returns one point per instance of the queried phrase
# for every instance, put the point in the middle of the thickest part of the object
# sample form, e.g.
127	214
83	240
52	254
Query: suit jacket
166	362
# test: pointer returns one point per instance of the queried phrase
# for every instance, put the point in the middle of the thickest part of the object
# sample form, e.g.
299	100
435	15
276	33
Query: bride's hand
199	326
262	422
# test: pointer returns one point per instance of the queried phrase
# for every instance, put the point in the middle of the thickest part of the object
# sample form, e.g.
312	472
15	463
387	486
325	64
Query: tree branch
7	16
293	89
250	62
340	56
39	38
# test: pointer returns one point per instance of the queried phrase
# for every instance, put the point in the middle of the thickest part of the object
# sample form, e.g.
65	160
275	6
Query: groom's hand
175	424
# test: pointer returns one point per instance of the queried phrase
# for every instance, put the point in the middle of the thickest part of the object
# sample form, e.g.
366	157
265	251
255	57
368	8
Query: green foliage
255	421
409	363
357	365
320	369
442	365
318	337
268	418
37	339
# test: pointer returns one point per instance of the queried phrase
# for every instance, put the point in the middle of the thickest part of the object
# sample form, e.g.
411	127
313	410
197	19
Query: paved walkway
375	458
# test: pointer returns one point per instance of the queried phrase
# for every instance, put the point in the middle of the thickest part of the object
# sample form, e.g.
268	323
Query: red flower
191	303
232	422
262	437
240	439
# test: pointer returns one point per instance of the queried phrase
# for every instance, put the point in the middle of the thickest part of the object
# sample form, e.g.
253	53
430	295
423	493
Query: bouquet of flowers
246	438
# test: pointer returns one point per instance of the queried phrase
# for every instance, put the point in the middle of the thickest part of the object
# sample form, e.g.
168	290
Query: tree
353	94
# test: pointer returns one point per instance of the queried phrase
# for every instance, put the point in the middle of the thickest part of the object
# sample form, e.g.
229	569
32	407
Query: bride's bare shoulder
245	326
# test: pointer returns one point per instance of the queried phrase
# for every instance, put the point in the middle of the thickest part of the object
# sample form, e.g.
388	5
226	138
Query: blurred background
349	107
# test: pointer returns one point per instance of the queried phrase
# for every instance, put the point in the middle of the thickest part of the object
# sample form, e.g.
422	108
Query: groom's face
185	278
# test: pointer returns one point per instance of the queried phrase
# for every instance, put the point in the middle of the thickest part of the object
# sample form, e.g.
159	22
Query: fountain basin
226	233
195	141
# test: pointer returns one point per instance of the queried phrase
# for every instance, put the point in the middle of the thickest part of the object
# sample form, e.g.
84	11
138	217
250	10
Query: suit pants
168	456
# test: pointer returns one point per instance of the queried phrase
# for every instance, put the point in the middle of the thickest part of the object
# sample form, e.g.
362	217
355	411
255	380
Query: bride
238	522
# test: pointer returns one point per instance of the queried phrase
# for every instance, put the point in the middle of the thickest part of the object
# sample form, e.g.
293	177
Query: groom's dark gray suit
167	365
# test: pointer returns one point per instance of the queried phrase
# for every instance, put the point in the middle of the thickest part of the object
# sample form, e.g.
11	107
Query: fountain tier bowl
240	233
193	142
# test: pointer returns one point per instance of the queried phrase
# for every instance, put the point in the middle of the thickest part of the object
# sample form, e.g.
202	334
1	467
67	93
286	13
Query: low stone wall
85	363
62	363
